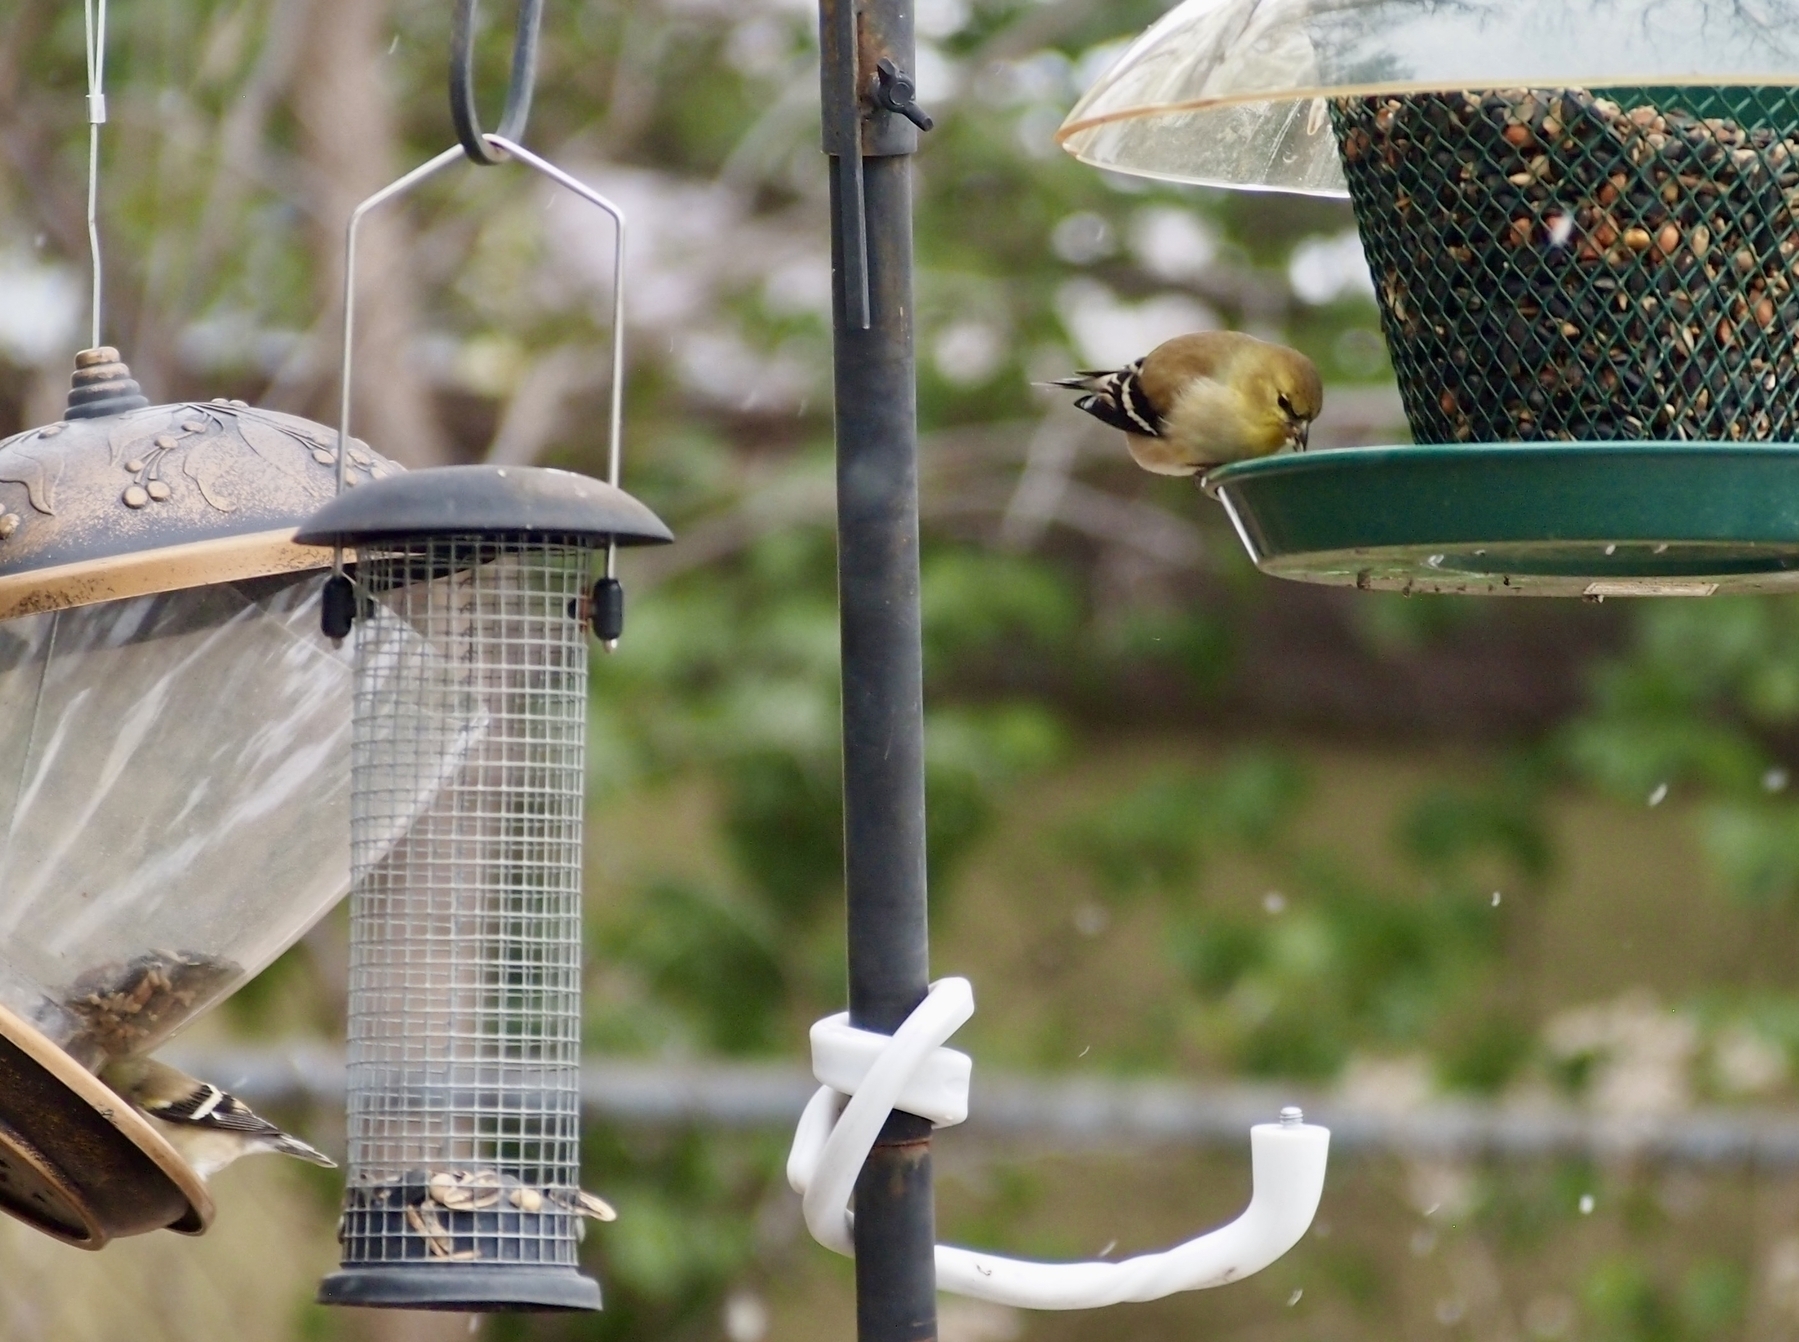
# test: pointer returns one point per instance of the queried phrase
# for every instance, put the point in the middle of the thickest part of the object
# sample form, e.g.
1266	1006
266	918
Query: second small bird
1198	401
208	1126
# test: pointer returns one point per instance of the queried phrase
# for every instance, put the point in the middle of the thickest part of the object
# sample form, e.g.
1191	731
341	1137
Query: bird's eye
1286	406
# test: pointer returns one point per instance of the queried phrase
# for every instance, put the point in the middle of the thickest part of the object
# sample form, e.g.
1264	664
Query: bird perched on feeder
208	1126
1198	401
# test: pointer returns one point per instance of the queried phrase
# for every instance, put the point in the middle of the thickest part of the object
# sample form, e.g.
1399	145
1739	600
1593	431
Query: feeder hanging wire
94	22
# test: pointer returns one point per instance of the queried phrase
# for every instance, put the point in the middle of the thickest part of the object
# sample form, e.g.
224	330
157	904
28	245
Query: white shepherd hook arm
913	1072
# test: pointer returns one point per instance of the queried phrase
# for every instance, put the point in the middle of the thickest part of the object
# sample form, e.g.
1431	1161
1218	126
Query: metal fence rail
1087	1112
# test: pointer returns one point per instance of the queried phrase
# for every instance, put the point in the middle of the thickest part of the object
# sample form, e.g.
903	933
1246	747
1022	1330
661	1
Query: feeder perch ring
106	1173
866	1075
1525	519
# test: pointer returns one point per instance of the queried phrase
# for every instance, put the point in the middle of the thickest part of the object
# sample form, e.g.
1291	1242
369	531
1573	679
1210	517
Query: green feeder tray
1582	224
1525	519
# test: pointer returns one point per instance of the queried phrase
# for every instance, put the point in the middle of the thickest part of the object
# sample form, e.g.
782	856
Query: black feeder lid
514	501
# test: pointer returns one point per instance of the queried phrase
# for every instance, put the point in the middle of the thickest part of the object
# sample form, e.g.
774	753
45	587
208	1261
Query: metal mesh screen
1551	264
467	784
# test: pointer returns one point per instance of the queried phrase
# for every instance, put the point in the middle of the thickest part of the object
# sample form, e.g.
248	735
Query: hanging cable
95	16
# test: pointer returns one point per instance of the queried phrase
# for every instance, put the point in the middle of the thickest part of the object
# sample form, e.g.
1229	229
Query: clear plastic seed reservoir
174	772
1581	224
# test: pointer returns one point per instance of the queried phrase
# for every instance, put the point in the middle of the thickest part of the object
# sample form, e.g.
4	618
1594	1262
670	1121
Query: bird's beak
1298	432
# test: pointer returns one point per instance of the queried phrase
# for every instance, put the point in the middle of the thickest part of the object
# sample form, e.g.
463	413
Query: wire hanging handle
339	603
475	142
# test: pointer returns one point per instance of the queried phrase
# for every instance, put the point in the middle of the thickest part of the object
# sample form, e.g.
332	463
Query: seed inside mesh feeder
1555	265
461	1216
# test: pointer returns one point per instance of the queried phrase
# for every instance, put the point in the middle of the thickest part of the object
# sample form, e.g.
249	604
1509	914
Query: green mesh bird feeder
1581	223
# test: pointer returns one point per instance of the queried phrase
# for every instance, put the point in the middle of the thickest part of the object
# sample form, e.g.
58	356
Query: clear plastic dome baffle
1235	92
174	765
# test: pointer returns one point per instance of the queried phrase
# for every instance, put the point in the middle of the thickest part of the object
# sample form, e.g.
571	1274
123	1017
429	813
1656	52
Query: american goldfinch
1198	401
209	1127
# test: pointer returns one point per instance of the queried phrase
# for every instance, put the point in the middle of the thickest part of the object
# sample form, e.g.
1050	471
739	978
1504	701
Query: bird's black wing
208	1106
1118	399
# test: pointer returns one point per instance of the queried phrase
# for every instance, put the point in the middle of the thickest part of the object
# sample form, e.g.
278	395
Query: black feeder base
465	1288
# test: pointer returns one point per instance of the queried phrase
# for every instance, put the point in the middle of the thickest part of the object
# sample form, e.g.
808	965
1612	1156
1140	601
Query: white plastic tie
865	1075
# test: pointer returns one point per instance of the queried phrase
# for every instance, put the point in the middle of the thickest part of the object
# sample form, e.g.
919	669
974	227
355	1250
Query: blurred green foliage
1331	960
1034	649
1628	1304
1706	702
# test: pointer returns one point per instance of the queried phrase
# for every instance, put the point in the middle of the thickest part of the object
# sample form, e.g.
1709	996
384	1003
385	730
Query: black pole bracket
896	91
870	111
843	116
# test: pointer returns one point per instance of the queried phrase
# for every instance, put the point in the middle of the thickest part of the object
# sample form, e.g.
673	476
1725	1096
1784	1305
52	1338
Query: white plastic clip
96	109
865	1075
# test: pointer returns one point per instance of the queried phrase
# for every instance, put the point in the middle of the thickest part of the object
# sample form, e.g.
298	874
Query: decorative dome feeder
471	601
175	753
1581	223
175	756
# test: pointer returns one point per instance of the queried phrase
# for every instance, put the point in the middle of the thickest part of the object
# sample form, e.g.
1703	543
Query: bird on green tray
209	1127
1200	400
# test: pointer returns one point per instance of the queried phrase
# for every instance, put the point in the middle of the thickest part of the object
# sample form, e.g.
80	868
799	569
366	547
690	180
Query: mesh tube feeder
471	604
1581	223
473	609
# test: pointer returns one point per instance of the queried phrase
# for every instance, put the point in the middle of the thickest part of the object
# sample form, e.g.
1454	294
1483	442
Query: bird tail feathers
1117	399
1085	380
289	1145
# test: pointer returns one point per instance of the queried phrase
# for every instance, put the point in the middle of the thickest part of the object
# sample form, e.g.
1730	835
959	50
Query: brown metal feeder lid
125	499
76	1161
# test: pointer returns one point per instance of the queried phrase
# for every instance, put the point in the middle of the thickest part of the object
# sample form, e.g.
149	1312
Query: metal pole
877	567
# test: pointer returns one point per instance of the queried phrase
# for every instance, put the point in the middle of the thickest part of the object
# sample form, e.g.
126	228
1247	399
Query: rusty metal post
871	126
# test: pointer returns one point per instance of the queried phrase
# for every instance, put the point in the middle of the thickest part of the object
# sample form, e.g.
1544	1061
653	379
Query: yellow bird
208	1126
1198	401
